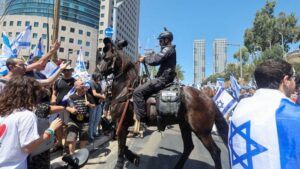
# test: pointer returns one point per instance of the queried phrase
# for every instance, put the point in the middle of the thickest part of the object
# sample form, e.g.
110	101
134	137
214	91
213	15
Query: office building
220	55
127	24
199	61
78	25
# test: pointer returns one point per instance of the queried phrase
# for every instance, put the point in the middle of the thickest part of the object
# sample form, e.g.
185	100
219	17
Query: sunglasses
67	70
21	65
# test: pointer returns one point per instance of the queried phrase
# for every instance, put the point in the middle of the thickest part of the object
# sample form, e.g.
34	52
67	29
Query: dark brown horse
197	111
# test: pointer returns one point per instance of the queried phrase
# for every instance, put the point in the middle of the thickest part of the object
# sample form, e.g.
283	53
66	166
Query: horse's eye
105	59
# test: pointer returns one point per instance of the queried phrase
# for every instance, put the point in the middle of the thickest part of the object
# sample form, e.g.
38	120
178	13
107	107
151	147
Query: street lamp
241	64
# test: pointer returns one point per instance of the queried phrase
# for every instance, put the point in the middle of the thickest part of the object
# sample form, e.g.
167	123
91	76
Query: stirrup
136	128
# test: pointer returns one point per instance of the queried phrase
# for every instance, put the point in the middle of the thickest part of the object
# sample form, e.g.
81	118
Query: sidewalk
56	158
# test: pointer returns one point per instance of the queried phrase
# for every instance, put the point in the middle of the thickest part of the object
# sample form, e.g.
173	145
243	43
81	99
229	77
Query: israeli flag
235	87
80	71
6	53
210	85
67	96
251	84
39	51
265	132
80	66
220	82
22	40
224	101
50	69
6	47
3	69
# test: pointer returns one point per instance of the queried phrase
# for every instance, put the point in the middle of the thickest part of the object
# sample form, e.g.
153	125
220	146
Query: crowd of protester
37	111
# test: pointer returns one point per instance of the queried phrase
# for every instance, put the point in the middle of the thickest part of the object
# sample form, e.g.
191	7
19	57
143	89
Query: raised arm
43	61
51	79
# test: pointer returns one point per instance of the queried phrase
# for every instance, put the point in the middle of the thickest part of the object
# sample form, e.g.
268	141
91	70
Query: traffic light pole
115	14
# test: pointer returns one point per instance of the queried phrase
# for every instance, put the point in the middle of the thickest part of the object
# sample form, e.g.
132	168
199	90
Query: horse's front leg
132	157
121	147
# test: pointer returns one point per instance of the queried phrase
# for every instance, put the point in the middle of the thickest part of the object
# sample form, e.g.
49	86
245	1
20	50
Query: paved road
158	151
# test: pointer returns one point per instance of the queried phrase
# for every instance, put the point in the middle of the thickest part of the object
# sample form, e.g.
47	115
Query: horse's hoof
136	161
120	164
141	134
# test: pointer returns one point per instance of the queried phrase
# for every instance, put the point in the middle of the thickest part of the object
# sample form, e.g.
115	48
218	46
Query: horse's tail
222	126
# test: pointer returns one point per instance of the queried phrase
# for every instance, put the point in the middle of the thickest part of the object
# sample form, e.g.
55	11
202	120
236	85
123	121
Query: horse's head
109	59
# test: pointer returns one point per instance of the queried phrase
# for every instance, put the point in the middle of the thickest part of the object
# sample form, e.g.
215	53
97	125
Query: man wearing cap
61	88
166	58
17	67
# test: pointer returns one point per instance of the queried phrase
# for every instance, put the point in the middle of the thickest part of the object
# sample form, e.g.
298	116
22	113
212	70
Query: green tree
273	52
179	72
231	69
248	71
245	55
213	78
269	30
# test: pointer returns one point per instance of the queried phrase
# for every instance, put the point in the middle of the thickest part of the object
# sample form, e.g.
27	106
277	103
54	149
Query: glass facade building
199	61
84	12
220	55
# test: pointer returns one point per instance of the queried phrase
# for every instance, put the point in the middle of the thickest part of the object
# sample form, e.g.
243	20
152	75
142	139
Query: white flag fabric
80	71
220	82
3	68
50	69
224	101
6	53
6	47
265	132
235	87
22	40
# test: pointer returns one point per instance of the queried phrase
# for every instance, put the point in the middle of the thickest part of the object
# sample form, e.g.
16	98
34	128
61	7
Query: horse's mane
128	67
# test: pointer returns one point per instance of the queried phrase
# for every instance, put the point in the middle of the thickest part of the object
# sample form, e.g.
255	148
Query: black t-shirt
97	87
62	87
82	114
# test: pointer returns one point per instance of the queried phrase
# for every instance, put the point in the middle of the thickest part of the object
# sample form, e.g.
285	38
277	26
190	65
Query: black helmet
166	34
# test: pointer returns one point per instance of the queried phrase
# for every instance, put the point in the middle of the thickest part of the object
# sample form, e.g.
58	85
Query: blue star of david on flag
252	148
220	104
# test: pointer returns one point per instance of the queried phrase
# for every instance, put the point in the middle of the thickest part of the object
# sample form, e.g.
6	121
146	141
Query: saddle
163	107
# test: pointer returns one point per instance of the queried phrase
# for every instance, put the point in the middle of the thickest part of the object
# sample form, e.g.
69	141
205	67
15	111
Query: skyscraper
127	24
199	61
78	26
220	55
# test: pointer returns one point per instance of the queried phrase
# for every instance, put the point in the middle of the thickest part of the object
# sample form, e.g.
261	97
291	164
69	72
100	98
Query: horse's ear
121	44
107	41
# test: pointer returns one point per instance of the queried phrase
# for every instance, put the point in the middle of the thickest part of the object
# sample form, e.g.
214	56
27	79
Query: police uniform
166	58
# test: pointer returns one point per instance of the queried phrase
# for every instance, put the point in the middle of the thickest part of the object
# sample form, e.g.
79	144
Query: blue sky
201	19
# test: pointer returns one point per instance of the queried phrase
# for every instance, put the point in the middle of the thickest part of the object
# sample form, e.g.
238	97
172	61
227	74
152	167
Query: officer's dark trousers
142	93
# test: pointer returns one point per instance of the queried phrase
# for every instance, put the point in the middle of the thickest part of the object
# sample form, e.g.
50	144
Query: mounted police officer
166	58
